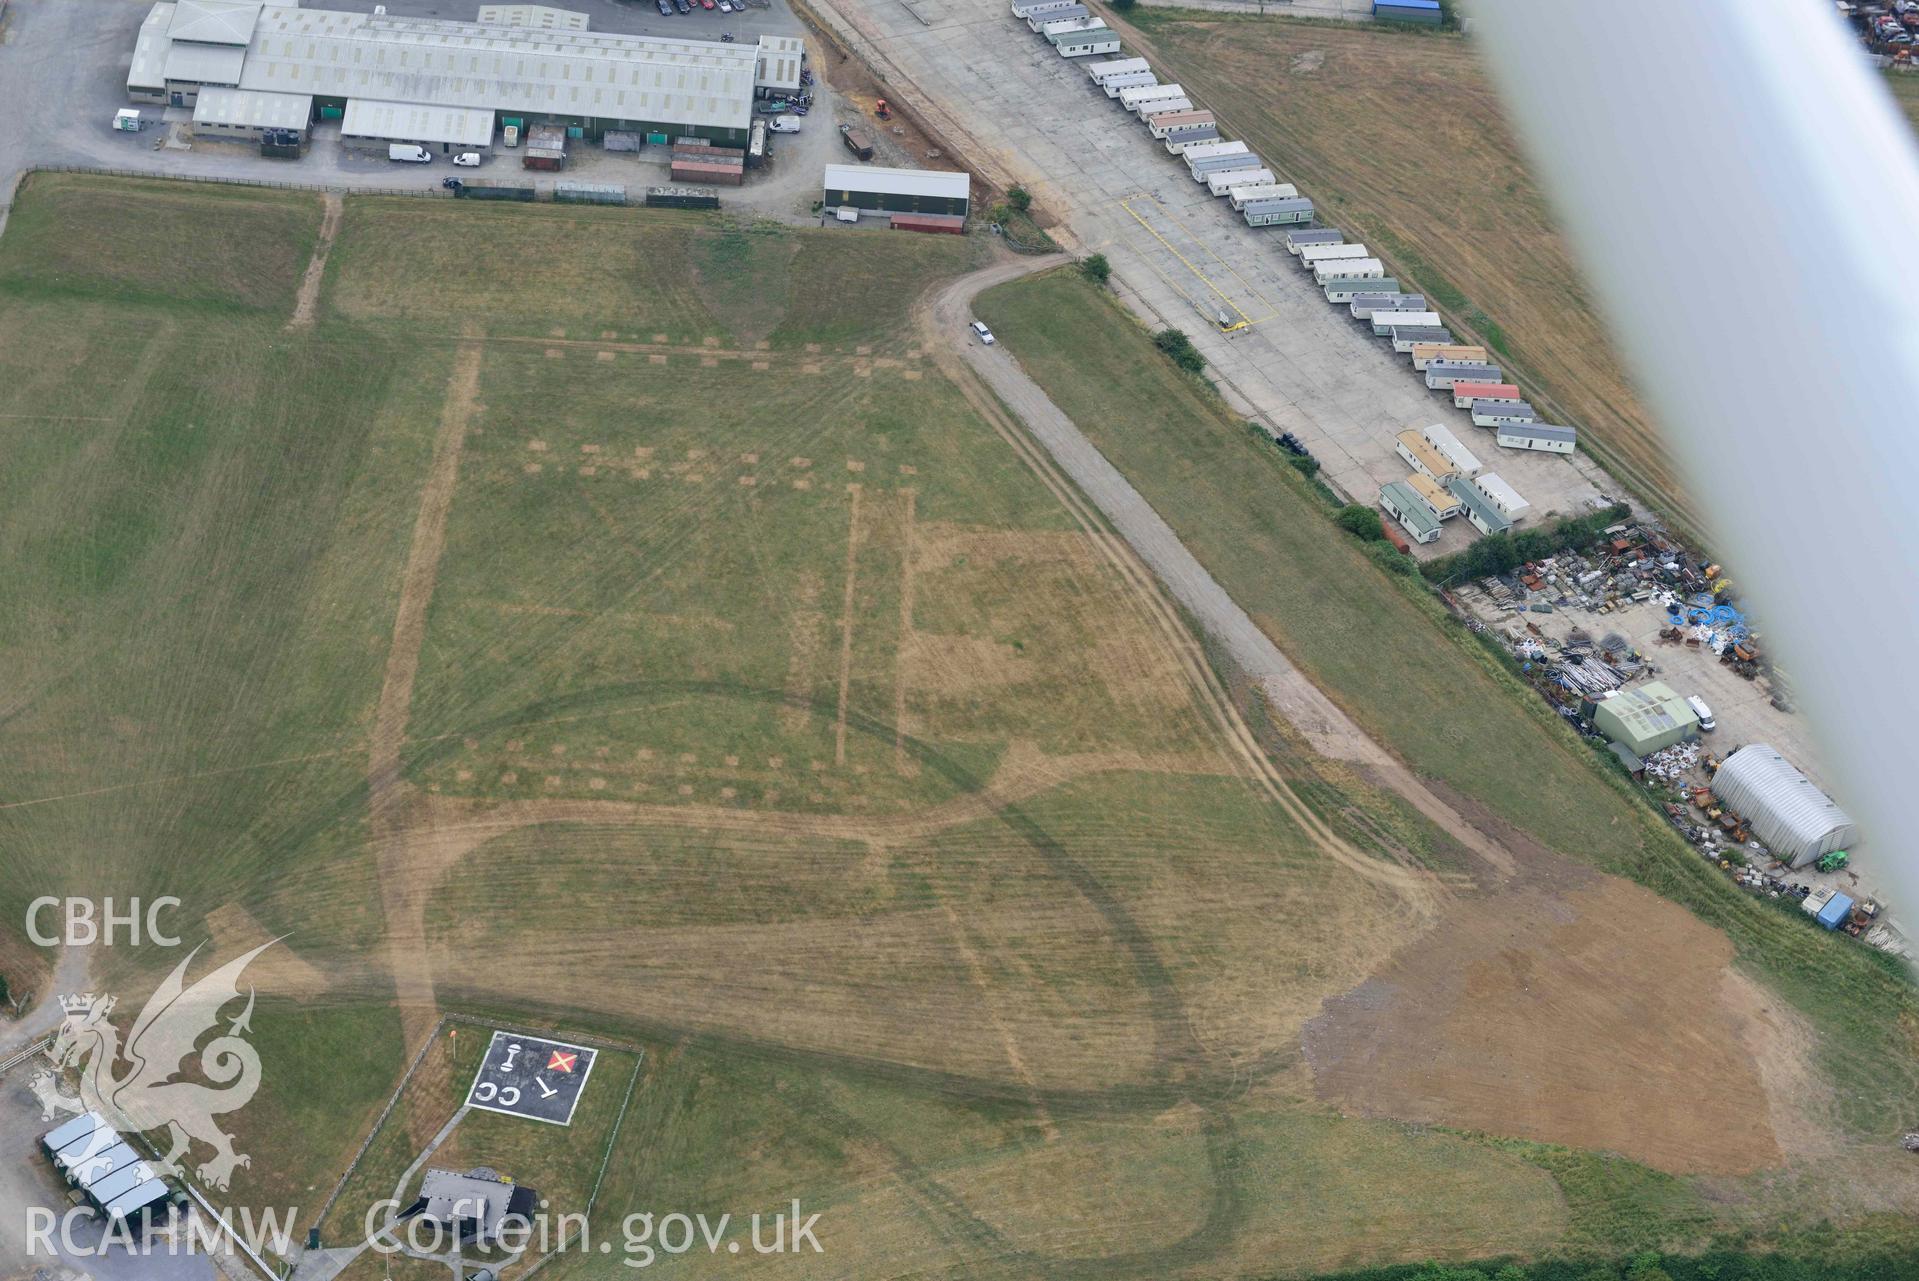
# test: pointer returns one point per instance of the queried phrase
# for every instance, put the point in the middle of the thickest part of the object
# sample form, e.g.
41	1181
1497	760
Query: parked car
985	334
467	159
706	4
726	6
665	7
682	6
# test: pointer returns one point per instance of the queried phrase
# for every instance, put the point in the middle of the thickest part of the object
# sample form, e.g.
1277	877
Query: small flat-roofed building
1479	512
474	1205
1646	719
1439	501
371	125
877	189
1422	457
1501	495
244	115
1541	436
1406	507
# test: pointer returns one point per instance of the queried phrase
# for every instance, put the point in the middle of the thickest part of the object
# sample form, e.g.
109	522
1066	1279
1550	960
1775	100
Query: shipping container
1277	213
1427	352
1406	337
546	158
1243	196
1131	98
708	171
1464	394
1344	291
1502	413
1297	240
939	224
1348	269
622	140
682	198
1180	141
1310	254
490	189
1442	374
1131	80
1362	306
1386	319
1502	496
589	193
856	142
1225	184
694	148
1101	72
756	145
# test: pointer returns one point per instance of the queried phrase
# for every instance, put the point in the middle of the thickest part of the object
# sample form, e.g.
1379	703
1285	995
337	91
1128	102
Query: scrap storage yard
1187	257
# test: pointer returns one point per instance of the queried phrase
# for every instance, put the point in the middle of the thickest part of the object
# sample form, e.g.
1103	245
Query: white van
783	124
412	153
1706	723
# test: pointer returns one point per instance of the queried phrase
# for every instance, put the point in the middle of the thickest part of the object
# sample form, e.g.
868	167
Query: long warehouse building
449	85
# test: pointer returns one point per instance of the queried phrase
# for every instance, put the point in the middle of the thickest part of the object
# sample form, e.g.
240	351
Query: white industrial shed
879	189
238	114
373	124
1784	808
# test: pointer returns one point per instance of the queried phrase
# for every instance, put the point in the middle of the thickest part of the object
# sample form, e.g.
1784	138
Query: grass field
1398	138
694	665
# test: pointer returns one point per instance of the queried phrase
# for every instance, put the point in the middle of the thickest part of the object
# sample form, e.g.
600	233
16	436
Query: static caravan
1406	507
1078	17
1310	254
1422	457
1427	352
1345	291
1180	141
1278	213
1225	184
1442	374
1027	8
1071	26
1406	336
1477	509
1348	269
1131	80
1364	305
1217	149
1540	436
1219	163
1387	319
1152	111
1464	394
1457	456
1160	125
1297	240
1133	97
1242	196
1232	167
1440	501
1084	44
1502	413
1502	496
1101	72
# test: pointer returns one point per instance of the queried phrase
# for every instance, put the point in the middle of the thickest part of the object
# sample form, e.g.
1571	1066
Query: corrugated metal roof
228	22
205	64
1786	810
149	69
1643	717
899	182
417	122
253	110
540	16
467	64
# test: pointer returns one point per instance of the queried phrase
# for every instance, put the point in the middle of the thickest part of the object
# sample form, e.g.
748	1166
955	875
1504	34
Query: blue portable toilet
1836	912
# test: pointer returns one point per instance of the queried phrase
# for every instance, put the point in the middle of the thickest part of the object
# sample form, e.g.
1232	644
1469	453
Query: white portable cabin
1216	149
1084	44
1150	111
1387	319
1442	374
1310	254
1503	413
1277	213
1208	166
1466	395
1406	336
1427	352
1242	196
1027	8
1165	126
1541	436
1065	26
1101	72
1224	184
1364	305
1180	141
1502	496
1447	446
1348	269
1297	240
1344	291
1405	506
1131	98
1116	85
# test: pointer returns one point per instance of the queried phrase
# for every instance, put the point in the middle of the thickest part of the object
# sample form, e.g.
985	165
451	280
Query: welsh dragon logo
136	1086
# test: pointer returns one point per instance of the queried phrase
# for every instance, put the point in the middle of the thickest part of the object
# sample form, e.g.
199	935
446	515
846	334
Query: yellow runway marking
1232	307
